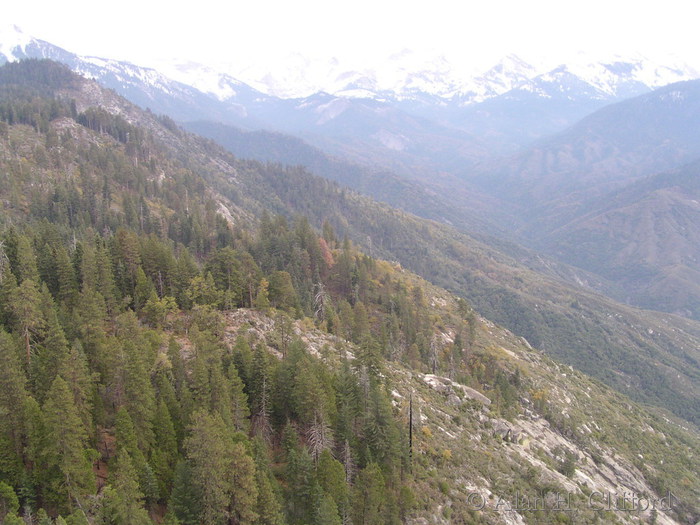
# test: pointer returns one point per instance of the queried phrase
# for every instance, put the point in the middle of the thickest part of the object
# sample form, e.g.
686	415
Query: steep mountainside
174	353
613	146
649	357
584	197
645	237
413	196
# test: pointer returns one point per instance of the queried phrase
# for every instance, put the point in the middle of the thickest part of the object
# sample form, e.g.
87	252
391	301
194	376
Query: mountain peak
12	38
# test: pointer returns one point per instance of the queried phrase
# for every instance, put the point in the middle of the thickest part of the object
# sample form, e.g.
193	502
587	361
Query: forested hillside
650	356
176	350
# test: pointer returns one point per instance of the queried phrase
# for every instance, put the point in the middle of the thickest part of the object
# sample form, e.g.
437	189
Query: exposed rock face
448	387
456	424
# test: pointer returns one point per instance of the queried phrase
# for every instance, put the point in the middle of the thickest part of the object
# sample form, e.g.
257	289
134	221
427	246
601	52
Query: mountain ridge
492	415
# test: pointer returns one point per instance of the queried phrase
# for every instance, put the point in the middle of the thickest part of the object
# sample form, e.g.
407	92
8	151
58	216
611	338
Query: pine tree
89	272
360	326
268	507
41	517
244	489
9	504
74	369
25	305
240	411
127	504
67	282
78	517
51	350
66	446
13	396
281	291
301	480
331	478
127	440
185	498
368	496
13	519
260	389
164	454
133	369
8	285
209	449
262	301
25	260
105	278
327	512
143	289
222	471
89	322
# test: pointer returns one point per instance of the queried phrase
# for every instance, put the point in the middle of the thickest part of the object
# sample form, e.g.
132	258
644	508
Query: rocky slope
570	447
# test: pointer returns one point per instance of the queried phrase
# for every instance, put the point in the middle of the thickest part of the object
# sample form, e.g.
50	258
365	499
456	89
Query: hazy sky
144	31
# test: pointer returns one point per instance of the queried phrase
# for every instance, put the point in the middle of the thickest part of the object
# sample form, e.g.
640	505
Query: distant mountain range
554	157
409	76
409	102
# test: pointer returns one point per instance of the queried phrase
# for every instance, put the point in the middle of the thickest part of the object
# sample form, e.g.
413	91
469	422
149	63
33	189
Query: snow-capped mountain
409	75
407	110
615	78
147	87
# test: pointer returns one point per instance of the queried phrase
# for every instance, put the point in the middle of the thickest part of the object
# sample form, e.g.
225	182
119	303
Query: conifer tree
301	479
8	285
143	289
127	440
25	262
331	478
128	501
360	327
13	396
13	519
25	305
262	301
67	283
74	369
133	366
9	503
88	268
185	499
89	323
222	471
164	454
105	278
41	517
327	512
51	350
260	389
66	446
268	507
77	517
368	496
240	411
244	489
